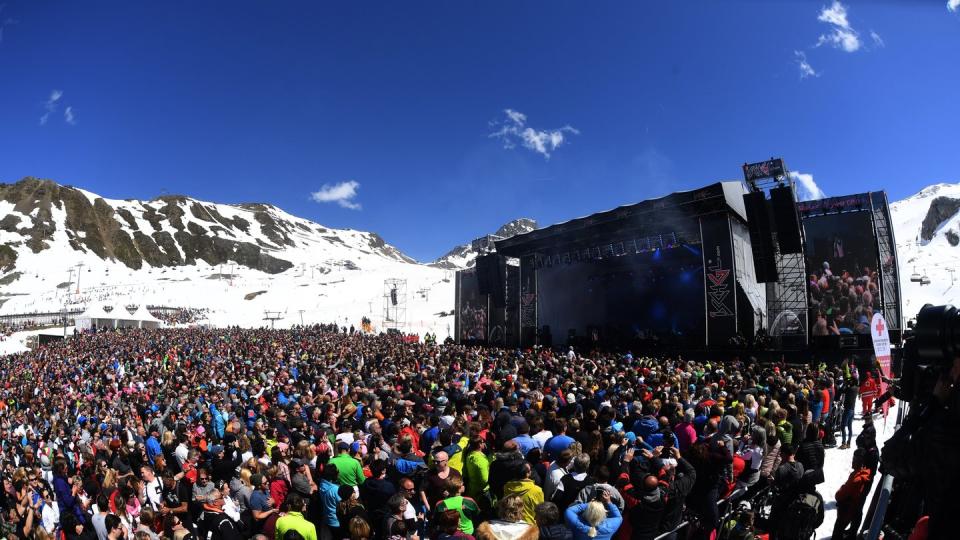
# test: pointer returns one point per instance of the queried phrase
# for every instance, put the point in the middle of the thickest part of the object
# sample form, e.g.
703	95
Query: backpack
802	517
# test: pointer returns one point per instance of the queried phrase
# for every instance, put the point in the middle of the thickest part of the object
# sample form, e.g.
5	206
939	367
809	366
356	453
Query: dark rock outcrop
941	209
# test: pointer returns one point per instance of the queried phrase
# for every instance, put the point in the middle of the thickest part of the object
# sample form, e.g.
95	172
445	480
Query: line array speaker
786	219
761	236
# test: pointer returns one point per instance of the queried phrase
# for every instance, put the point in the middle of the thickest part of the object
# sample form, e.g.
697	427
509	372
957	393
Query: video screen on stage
842	280
473	309
654	297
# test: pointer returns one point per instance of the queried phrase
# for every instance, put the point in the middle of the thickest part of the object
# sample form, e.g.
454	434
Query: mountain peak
464	256
515	227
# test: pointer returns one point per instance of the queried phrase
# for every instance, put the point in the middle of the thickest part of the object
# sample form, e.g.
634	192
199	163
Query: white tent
97	315
145	318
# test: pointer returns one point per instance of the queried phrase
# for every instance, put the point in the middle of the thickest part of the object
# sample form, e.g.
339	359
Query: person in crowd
851	497
551	524
596	520
180	430
529	492
510	524
436	481
293	520
476	468
467	509
849	400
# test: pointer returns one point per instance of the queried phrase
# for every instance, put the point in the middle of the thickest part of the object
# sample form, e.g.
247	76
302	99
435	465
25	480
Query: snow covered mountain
464	256
239	260
927	229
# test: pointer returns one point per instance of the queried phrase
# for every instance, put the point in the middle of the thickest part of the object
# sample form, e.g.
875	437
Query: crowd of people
315	432
181	315
844	301
7	329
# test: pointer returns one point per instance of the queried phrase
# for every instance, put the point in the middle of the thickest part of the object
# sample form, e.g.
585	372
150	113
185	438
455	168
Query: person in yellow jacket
529	493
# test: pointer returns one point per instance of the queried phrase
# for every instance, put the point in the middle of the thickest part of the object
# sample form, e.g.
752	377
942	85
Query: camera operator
922	454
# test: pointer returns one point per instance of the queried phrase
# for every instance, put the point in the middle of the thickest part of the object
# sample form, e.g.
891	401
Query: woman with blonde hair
360	529
595	520
511	525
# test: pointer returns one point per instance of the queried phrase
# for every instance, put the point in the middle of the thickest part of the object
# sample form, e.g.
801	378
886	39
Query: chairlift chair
924	280
915	277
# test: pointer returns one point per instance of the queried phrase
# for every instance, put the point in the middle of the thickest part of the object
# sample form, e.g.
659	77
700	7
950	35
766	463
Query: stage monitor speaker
761	237
490	277
546	337
787	220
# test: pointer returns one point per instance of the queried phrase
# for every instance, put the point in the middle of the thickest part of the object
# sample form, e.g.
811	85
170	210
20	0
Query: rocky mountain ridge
168	231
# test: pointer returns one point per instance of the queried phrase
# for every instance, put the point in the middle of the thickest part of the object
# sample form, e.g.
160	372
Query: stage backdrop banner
719	279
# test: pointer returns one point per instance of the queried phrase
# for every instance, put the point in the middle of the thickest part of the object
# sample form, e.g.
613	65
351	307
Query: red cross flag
881	348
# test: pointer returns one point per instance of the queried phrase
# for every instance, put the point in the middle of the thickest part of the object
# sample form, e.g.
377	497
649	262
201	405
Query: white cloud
806	70
807	189
953	5
841	35
69	117
342	193
51	105
514	130
877	40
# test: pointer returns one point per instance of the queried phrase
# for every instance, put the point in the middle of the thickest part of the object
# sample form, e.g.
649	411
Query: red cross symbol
880	327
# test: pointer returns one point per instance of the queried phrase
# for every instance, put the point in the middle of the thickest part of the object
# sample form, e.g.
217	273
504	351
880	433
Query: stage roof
718	197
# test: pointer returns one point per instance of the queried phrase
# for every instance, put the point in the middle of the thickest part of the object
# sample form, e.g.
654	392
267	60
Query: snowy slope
930	254
237	260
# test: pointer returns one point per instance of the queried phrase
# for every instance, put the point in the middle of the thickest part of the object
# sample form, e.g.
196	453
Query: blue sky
401	108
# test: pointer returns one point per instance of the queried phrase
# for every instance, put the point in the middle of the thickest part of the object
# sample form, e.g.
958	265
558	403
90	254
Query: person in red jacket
850	498
868	392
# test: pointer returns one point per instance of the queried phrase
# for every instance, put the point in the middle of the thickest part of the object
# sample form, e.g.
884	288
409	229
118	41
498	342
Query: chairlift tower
272	316
395	303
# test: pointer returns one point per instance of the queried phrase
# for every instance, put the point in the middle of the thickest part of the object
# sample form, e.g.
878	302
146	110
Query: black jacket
676	494
505	467
646	515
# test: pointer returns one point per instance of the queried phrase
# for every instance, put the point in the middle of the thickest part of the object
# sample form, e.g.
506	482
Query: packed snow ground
838	467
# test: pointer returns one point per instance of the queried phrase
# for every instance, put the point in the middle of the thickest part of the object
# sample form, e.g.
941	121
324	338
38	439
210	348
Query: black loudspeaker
490	277
393	296
761	237
546	338
787	220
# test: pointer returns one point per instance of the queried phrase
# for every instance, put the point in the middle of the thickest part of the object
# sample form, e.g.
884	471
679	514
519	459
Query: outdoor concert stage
688	271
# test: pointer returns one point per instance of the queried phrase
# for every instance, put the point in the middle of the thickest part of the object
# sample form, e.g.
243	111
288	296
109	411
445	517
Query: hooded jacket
645	516
850	497
505	467
646	426
531	494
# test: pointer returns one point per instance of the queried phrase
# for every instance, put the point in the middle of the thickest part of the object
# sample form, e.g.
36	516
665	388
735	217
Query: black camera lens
937	334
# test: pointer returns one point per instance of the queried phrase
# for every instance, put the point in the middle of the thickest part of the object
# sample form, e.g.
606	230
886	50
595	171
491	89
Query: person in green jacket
465	506
476	468
784	428
351	472
293	520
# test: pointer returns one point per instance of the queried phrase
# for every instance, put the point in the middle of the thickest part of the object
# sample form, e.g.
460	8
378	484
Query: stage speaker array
393	296
761	237
490	277
786	219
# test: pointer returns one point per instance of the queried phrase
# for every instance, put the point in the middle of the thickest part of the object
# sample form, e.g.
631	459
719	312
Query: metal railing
877	512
